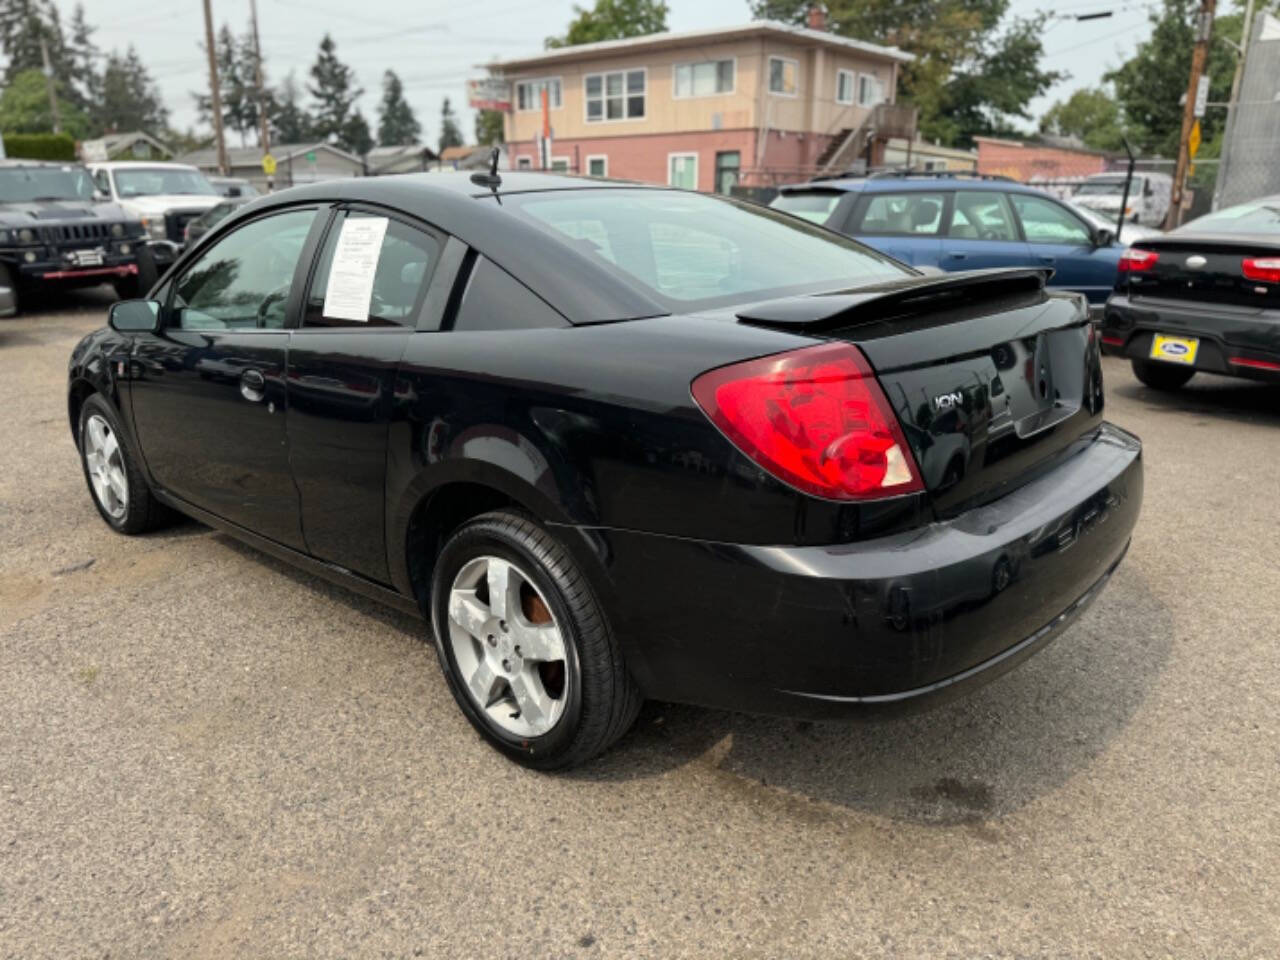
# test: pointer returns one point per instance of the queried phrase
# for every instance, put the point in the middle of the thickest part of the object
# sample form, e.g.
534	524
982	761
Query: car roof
147	164
895	182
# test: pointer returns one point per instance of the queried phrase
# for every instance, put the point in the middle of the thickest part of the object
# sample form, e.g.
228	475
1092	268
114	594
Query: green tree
1091	115
355	137
290	121
489	127
128	99
450	135
334	91
974	72
397	126
614	20
235	87
24	107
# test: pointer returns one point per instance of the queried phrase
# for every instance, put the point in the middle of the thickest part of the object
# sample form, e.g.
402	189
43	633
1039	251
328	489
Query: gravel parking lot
205	753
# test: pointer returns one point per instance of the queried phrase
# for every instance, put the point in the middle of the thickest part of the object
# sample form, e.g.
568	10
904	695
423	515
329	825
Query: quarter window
911	214
844	86
1045	222
242	282
495	300
529	94
703	79
615	96
783	76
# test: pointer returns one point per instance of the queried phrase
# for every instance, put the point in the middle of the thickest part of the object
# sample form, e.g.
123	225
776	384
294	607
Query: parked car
235	187
54	231
1147	203
957	221
165	196
617	442
1205	296
197	228
1130	232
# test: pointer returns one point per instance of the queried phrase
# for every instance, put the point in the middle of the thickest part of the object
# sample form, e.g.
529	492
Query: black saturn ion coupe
617	442
1203	297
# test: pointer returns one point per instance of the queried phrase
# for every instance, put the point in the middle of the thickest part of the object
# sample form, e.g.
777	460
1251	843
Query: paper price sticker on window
355	262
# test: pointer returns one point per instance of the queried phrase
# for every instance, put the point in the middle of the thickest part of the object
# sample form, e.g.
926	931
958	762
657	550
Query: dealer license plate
86	258
1174	349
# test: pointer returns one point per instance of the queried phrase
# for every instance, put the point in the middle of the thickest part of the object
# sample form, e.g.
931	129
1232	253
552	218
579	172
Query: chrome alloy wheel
508	648
105	460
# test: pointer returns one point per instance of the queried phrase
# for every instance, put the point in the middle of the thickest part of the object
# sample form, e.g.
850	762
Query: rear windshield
815	206
690	250
1260	216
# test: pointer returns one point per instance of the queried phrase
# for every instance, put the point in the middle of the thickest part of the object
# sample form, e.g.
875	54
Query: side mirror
134	316
1104	237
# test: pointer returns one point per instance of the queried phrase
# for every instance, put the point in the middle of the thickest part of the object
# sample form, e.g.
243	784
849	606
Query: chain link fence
1250	165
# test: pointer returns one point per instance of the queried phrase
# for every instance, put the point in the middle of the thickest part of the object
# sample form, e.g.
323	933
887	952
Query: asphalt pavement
205	753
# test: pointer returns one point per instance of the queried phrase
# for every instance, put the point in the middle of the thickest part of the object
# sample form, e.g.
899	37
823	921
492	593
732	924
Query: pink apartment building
758	104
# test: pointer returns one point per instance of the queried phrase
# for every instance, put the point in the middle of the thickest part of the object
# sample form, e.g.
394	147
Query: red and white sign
489	93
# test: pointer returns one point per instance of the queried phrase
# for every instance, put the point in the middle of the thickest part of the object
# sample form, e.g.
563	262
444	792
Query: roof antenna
490	179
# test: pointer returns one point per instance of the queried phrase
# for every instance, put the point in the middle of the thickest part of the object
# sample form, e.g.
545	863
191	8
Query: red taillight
1134	260
1255	364
1265	269
815	418
1113	341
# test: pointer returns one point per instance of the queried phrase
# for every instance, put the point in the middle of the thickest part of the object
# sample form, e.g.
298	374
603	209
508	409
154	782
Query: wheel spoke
110	448
538	641
482	682
530	696
468	612
116	480
95	434
500	584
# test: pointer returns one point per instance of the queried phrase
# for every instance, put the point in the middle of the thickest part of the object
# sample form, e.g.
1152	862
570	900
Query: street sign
311	156
1193	140
268	165
1202	94
489	93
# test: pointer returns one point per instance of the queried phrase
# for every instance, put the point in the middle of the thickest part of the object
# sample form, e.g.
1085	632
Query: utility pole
48	82
265	134
1199	56
216	95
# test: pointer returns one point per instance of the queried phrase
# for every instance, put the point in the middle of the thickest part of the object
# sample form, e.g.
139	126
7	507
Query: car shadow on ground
1208	395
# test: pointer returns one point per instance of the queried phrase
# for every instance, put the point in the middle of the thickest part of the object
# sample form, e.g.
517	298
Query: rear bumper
1233	341
825	631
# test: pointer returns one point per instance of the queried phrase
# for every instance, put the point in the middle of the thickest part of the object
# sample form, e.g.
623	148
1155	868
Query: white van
1149	195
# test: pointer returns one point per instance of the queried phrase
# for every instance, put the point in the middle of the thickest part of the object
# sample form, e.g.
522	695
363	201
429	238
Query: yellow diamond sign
1193	141
269	163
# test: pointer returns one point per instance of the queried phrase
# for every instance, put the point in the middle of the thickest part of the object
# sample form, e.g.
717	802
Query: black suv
54	229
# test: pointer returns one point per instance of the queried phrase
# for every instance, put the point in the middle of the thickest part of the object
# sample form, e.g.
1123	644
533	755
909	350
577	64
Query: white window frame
567	161
769	76
604	157
700	96
551	105
857	90
682	153
604	95
853	86
524	163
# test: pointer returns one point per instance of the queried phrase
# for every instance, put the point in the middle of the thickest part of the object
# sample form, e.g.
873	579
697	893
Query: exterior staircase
886	120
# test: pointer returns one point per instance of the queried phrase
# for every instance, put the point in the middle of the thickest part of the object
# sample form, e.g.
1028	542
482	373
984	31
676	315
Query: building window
524	163
615	96
868	90
598	165
529	93
704	79
559	164
682	170
783	72
728	162
844	86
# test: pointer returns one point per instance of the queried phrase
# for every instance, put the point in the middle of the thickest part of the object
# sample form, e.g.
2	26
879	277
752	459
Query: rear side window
910	214
816	206
982	215
495	300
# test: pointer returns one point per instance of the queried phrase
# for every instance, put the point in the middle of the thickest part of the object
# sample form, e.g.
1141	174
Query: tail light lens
1265	269
1134	260
814	418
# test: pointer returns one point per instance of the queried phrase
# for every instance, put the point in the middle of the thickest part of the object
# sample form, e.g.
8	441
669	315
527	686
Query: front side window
615	96
703	79
158	181
982	215
844	86
400	272
691	250
906	214
783	76
1043	221
868	90
529	94
682	171
242	282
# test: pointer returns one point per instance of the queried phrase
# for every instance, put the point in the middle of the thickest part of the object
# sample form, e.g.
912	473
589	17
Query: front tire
525	646
114	475
9	279
1162	376
139	285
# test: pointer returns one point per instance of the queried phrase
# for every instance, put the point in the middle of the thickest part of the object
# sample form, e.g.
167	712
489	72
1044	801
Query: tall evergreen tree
355	137
82	59
290	121
334	91
397	126
129	99
450	135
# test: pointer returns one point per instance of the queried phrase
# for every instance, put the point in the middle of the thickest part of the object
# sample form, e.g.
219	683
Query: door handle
1047	259
253	385
956	255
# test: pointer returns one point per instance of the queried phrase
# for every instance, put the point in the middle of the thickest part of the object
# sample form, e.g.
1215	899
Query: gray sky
433	45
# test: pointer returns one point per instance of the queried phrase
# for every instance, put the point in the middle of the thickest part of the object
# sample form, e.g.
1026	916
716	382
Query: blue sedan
964	222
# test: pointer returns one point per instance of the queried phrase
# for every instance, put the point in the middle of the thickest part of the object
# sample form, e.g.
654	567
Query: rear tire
114	474
1162	376
583	698
9	279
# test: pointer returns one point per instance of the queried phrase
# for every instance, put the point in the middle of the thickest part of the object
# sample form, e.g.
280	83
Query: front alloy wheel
104	460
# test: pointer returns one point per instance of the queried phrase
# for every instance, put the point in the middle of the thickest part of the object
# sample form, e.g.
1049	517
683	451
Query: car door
982	233
1059	239
903	224
341	383
208	388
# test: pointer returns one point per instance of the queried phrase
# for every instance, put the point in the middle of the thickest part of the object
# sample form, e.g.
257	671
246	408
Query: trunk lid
1207	269
991	376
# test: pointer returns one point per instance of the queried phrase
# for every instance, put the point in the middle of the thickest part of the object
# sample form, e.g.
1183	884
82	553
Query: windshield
815	206
25	184
691	251
152	181
1108	188
1260	216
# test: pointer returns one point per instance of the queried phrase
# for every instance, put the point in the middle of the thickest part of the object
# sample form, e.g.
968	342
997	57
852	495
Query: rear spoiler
910	296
